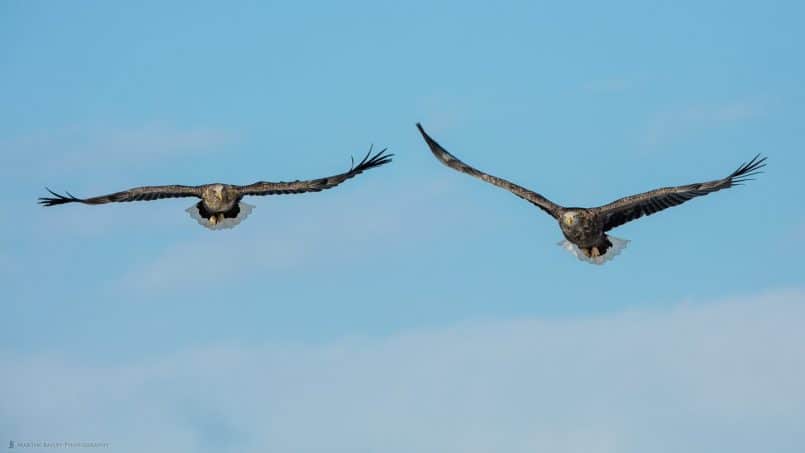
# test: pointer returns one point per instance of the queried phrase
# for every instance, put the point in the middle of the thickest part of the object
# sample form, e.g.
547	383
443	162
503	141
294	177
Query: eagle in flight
221	206
585	228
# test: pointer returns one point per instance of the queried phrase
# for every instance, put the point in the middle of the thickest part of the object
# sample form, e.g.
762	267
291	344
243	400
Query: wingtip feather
425	135
57	199
747	170
371	161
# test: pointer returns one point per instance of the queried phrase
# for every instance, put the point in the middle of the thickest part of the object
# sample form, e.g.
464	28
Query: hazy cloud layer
699	377
89	147
297	231
669	125
614	85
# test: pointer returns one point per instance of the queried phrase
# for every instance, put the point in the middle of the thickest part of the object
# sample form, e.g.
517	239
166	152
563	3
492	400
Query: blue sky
584	103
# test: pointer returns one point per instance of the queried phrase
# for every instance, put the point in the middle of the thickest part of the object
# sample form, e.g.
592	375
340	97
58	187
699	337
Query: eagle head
569	218
218	191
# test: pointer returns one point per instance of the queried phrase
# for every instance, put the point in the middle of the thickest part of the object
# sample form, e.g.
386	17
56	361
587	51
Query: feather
633	207
317	185
617	247
145	193
453	162
226	222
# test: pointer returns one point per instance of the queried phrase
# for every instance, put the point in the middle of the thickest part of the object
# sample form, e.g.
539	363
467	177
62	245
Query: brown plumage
585	228
220	205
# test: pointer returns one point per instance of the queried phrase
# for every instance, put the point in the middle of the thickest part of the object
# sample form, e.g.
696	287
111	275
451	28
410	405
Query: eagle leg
594	252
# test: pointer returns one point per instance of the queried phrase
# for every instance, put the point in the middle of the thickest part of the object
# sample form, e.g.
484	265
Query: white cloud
671	124
608	85
698	377
308	230
84	147
442	111
104	220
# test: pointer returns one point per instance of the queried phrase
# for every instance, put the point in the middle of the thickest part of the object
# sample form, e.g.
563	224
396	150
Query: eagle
221	205
585	229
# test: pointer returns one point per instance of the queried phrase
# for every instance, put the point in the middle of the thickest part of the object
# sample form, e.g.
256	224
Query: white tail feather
245	210
617	246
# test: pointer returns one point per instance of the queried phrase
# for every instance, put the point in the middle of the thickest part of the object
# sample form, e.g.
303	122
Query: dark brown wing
454	163
633	207
146	193
315	185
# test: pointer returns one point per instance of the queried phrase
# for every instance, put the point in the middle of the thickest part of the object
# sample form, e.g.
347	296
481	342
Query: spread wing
453	162
633	207
146	193
316	185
